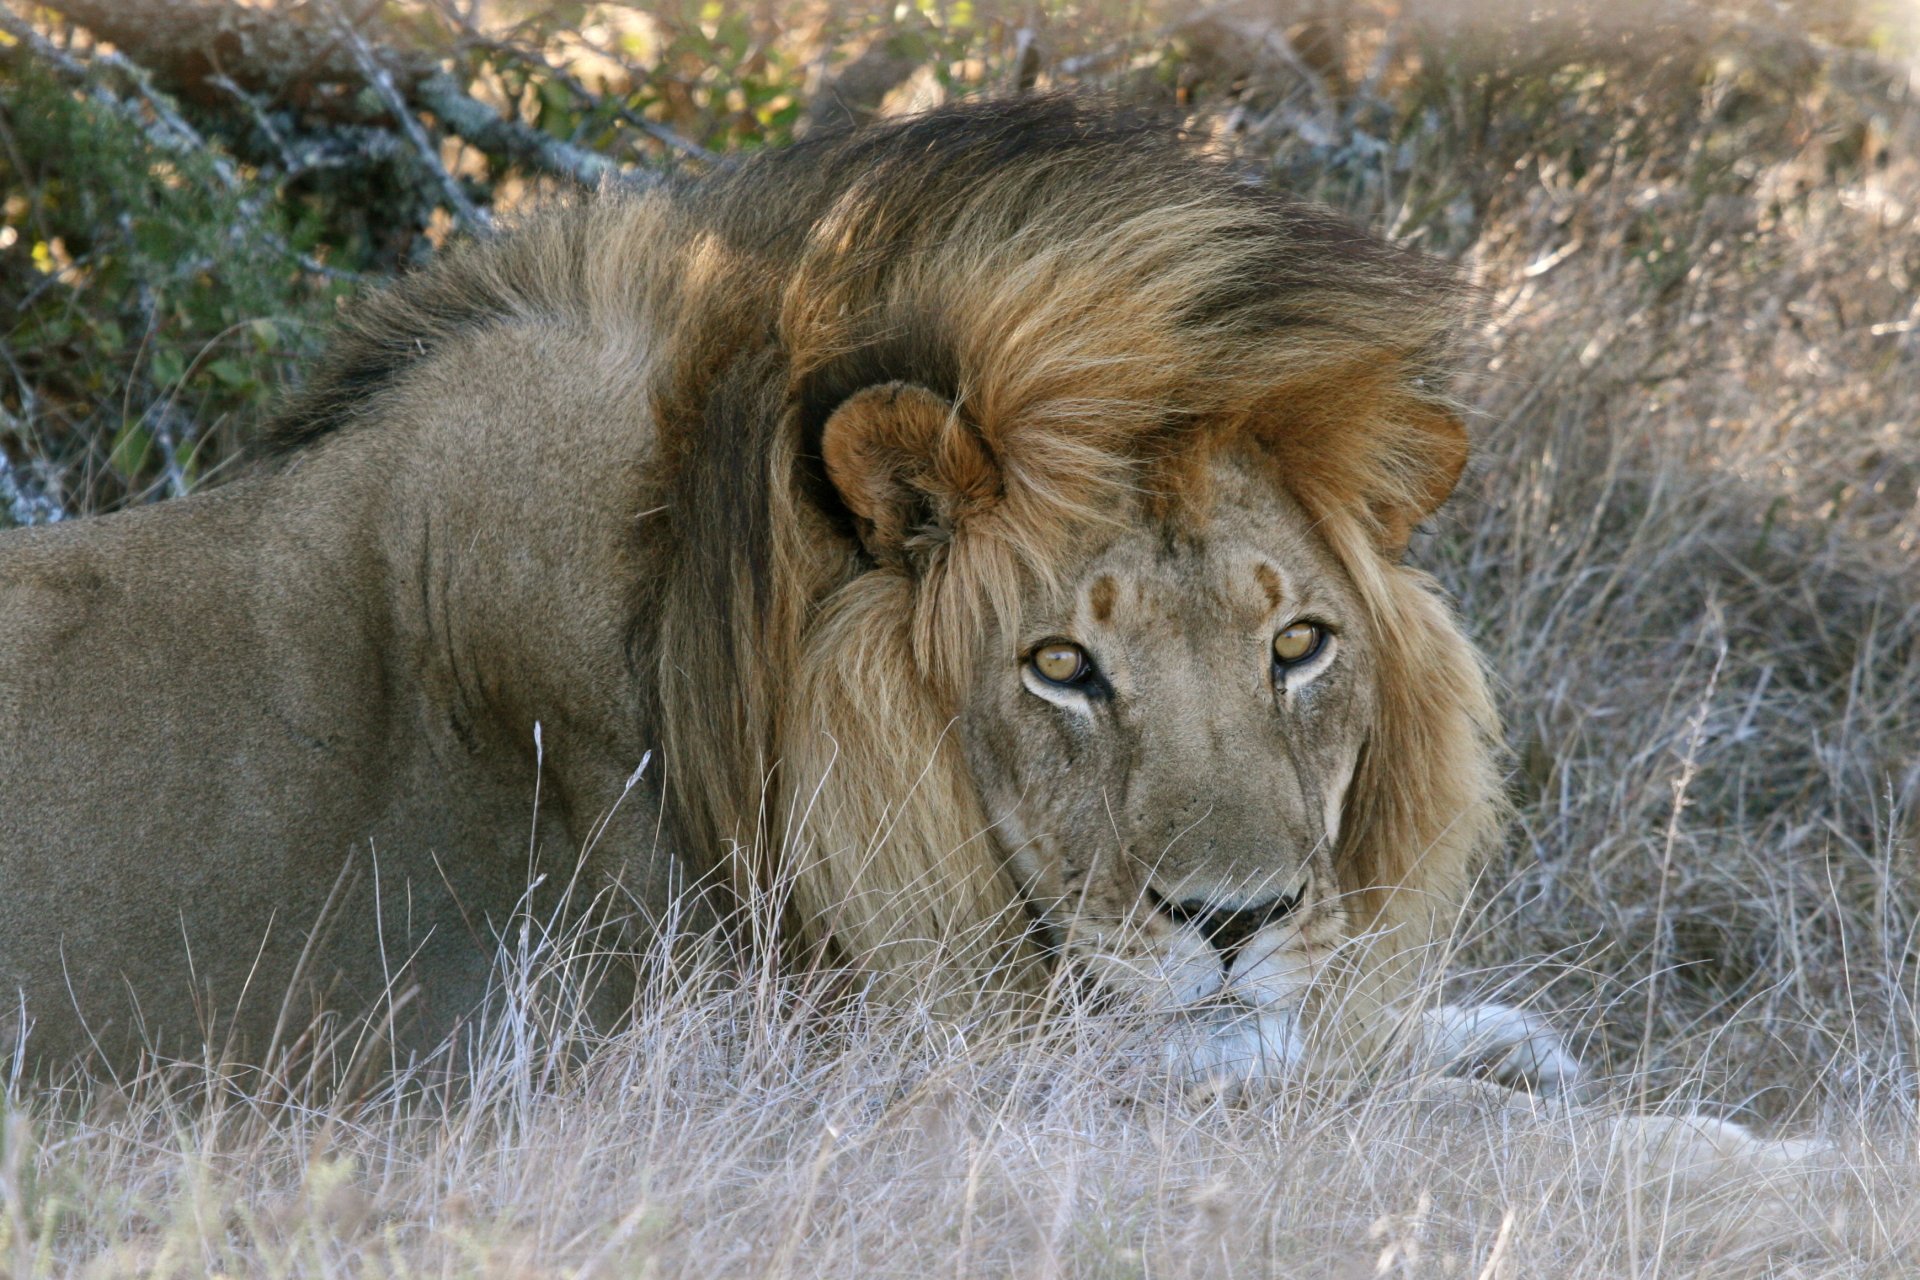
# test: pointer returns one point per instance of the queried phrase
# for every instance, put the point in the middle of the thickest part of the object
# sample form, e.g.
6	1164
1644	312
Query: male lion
991	521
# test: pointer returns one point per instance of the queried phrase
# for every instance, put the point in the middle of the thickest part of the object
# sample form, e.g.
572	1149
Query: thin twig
1689	766
261	120
381	81
472	37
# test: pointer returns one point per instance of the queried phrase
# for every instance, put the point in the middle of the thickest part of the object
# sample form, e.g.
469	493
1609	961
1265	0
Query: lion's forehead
1194	587
1249	566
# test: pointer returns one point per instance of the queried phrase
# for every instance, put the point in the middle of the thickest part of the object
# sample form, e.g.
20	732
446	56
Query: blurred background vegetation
191	186
1690	544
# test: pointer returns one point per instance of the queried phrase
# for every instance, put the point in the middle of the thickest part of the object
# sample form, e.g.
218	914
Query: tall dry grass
1689	551
748	1124
1692	557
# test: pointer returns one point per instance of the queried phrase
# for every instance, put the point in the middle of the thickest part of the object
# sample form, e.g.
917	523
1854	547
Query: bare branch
381	82
486	129
264	51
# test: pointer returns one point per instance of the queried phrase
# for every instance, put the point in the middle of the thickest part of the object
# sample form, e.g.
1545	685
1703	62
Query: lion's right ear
908	466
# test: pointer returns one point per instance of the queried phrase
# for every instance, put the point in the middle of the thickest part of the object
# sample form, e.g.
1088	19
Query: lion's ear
908	466
1436	450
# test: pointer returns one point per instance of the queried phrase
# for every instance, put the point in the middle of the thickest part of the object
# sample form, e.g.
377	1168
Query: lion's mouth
1183	971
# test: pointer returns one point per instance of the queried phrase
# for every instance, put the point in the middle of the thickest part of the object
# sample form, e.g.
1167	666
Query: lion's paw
1694	1148
1229	1053
1513	1047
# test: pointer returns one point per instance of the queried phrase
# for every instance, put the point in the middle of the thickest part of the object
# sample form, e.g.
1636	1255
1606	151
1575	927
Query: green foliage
717	75
731	77
152	297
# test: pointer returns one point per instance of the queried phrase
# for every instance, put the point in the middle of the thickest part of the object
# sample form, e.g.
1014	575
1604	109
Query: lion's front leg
1234	1049
1513	1047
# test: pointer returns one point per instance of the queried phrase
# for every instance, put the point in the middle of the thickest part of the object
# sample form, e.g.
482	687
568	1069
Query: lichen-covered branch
226	59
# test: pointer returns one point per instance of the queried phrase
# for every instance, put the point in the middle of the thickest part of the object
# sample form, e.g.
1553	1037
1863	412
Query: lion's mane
1107	302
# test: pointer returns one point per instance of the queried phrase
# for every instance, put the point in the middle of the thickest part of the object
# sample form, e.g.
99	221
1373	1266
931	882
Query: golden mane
1105	303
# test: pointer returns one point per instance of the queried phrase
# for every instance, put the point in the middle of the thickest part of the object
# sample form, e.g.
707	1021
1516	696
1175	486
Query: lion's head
1180	735
1164	727
1166	746
1085	627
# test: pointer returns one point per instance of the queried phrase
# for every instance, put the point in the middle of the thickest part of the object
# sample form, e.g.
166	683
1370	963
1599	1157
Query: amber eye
1297	643
1061	662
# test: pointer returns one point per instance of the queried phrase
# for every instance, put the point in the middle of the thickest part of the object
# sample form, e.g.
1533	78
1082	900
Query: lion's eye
1061	662
1297	643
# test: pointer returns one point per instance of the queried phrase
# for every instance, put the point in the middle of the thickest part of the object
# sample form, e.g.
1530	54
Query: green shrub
153	295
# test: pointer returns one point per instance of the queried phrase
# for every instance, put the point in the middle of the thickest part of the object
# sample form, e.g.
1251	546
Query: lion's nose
1228	927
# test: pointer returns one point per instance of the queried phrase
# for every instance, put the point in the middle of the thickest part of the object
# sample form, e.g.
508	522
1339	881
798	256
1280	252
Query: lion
991	523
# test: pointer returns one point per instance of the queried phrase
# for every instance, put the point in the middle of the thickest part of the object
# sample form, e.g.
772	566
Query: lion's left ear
908	466
1433	456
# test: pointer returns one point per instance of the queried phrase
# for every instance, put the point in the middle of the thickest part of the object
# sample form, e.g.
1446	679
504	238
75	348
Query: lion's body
623	473
225	710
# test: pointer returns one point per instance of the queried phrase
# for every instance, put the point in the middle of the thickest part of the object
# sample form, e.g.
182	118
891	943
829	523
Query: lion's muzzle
1228	928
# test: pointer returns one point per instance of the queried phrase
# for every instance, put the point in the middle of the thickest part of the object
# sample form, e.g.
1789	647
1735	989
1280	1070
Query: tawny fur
613	472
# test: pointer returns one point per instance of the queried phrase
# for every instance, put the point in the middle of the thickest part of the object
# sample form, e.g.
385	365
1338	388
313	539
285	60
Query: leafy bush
153	299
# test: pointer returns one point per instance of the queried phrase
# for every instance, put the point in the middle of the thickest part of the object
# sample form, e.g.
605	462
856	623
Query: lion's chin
1232	1049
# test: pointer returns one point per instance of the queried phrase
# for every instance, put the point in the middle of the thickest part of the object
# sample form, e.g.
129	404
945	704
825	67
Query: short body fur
760	474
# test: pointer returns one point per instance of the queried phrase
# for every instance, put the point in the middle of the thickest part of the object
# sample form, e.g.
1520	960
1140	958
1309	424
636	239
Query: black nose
1228	928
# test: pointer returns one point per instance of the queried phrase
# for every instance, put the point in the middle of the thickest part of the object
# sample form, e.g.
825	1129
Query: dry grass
1690	552
737	1129
1692	557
